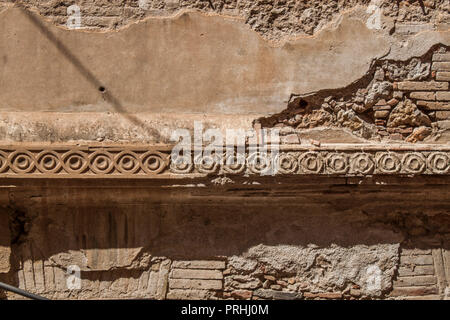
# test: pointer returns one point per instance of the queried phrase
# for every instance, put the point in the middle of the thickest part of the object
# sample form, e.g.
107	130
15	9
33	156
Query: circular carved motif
182	164
101	162
438	162
337	163
21	161
75	162
311	162
154	162
207	163
127	162
287	163
388	163
234	163
414	163
3	161
362	163
49	162
258	162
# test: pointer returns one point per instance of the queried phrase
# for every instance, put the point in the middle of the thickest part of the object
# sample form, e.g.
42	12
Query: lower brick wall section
416	276
205	251
421	274
196	279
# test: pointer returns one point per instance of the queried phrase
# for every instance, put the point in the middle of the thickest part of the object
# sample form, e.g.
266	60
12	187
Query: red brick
430	297
441	66
423	95
443	96
310	295
393	102
413	291
416	271
242	294
422	86
195	284
415	281
419	260
441	56
381	108
383	114
199	264
443	76
433	105
443	115
196	274
179	294
330	295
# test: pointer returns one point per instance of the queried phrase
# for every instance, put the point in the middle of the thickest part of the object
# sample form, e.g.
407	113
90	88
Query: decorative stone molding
154	162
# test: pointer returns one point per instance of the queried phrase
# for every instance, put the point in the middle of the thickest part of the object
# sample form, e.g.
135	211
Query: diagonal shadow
86	73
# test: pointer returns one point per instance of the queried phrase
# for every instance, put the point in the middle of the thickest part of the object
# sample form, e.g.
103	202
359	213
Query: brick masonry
421	275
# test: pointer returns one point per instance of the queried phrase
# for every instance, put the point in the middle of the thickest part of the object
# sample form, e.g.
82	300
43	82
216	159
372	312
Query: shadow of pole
87	74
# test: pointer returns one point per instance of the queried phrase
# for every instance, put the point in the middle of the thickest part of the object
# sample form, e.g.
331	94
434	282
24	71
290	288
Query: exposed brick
310	295
416	271
157	282
196	274
419	260
381	108
195	284
443	76
199	264
443	115
444	124
413	291
441	66
415	252
441	56
415	281
444	96
430	297
433	105
423	95
179	294
383	114
393	102
277	295
422	86
242	294
330	295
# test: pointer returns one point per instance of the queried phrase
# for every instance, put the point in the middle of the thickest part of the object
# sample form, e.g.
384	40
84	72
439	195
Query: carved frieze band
153	162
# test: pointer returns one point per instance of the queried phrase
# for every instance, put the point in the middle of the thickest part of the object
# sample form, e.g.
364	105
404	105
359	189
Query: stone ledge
154	161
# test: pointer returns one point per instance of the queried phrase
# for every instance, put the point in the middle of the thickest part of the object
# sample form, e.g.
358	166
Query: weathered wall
153	76
134	240
361	210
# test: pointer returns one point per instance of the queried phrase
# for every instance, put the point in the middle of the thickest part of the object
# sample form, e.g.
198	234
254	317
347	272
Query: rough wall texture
396	101
272	19
358	89
353	246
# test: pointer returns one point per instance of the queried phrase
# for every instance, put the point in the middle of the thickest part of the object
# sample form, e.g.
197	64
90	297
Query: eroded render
359	208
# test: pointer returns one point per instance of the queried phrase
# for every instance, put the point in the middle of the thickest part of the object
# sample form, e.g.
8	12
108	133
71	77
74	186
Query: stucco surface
191	63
